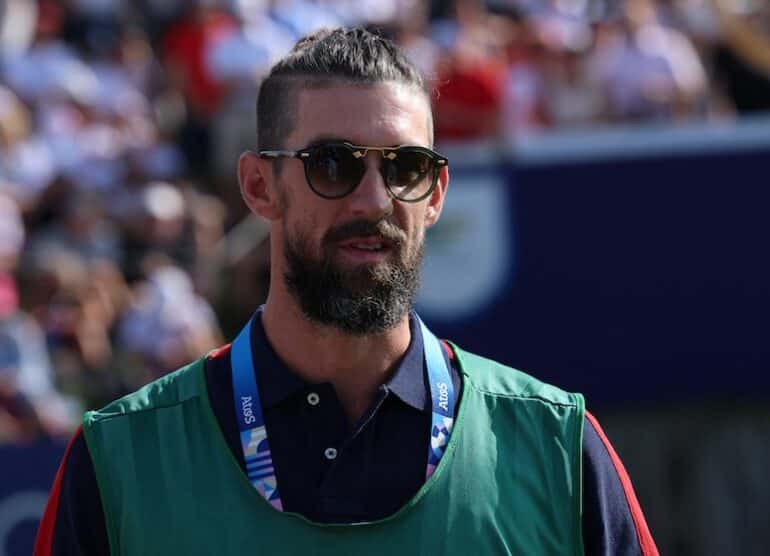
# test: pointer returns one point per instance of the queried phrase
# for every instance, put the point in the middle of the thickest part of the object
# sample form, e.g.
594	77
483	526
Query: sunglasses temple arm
277	154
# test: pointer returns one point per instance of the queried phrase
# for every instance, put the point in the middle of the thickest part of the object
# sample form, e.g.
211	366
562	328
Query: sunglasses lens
410	175
333	171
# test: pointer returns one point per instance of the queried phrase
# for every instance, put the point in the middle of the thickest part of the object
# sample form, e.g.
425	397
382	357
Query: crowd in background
121	122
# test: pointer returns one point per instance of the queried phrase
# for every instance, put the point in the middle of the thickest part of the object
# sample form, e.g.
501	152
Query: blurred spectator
27	164
570	95
95	25
185	47
177	221
184	54
241	58
168	323
525	106
29	404
408	31
572	98
158	15
650	71
11	239
154	218
470	74
237	63
50	67
82	230
18	19
78	305
303	17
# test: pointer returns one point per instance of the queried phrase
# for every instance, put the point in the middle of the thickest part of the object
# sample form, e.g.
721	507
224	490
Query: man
336	423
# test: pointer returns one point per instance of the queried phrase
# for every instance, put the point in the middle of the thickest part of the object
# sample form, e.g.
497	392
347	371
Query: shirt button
330	453
313	398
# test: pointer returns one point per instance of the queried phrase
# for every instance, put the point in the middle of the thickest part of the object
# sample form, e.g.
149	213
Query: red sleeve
448	349
646	542
44	540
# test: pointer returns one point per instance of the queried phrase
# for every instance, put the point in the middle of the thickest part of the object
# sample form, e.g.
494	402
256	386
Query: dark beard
359	301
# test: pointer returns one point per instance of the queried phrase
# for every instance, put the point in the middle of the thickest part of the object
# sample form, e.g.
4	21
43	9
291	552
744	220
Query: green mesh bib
509	482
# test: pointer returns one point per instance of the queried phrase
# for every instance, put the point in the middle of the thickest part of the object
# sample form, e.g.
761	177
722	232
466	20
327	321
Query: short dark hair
320	60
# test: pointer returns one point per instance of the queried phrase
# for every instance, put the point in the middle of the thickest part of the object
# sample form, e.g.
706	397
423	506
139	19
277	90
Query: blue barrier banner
27	474
627	279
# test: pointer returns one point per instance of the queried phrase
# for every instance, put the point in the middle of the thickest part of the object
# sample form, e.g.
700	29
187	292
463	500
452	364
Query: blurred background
606	227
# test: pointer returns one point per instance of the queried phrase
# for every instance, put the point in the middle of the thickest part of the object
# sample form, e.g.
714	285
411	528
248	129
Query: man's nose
371	199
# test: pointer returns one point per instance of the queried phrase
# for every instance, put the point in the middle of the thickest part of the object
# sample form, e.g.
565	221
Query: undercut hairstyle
322	59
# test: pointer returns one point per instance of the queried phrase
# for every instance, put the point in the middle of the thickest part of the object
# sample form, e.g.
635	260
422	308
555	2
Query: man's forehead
382	114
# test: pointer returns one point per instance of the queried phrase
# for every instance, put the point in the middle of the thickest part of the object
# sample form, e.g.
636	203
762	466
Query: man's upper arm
73	522
613	522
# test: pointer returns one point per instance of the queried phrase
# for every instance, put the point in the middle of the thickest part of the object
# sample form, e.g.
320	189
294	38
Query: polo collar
278	383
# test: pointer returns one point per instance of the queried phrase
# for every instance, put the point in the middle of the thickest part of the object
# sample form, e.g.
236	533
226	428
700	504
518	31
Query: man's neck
355	365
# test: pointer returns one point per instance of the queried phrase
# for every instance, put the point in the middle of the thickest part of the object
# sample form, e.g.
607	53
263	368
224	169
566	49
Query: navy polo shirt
327	468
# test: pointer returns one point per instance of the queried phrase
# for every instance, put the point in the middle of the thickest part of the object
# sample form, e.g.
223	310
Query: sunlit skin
376	115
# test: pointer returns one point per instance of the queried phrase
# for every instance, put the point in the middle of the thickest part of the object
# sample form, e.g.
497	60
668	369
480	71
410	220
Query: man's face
353	263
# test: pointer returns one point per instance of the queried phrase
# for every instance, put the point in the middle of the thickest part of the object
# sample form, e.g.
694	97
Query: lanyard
251	421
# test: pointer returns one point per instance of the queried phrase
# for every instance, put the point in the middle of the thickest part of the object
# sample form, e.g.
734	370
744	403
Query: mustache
358	228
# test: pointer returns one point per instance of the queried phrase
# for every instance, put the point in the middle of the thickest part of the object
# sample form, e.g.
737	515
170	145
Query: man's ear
257	181
436	199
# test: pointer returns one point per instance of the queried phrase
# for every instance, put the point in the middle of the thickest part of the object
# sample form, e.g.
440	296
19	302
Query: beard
360	300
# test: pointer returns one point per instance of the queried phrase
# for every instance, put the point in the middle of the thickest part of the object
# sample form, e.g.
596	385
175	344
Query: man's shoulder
169	390
494	378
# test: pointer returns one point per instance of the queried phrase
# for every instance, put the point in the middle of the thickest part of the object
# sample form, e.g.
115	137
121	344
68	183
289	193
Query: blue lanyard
251	421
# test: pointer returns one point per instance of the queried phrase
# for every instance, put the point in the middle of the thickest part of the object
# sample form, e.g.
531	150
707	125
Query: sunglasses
333	170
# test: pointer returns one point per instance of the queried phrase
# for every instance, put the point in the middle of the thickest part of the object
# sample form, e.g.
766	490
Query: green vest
510	481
